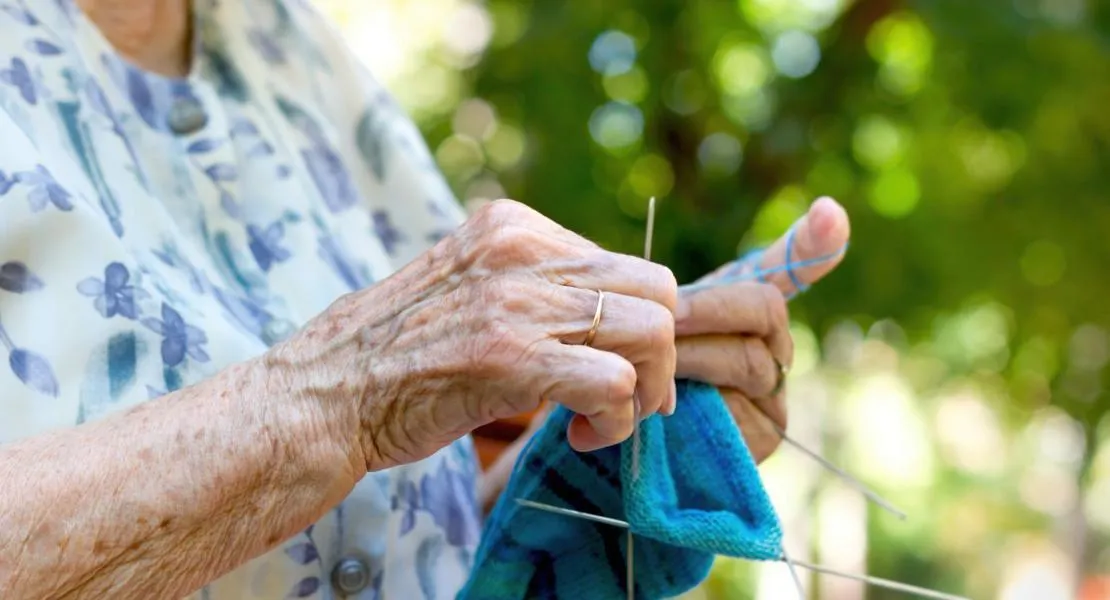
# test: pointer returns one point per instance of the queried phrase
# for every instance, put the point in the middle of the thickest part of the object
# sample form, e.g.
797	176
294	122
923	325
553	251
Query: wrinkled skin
484	326
491	322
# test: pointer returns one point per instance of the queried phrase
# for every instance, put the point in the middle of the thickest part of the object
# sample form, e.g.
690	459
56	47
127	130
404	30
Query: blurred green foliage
968	139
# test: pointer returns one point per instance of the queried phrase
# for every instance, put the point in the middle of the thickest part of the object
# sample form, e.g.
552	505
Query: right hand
484	326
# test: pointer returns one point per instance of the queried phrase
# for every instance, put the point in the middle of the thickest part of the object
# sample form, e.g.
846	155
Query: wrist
309	437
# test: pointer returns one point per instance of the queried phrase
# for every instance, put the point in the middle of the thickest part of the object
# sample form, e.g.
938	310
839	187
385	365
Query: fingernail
672	402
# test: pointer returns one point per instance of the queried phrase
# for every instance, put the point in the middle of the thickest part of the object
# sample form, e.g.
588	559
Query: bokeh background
957	361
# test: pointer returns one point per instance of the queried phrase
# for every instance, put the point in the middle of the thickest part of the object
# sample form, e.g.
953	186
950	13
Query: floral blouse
155	230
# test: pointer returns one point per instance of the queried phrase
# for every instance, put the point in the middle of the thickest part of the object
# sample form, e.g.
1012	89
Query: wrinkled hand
731	336
484	326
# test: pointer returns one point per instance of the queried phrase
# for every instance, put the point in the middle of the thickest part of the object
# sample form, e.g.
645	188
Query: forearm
161	499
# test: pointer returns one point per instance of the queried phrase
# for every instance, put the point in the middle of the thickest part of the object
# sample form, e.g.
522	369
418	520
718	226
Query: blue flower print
243	127
331	178
114	295
450	498
19	76
389	235
32	369
17	278
243	311
269	48
304	588
407	500
324	164
230	81
265	244
170	256
427	559
355	276
178	337
45	190
445	228
20	14
303	553
436	210
43	47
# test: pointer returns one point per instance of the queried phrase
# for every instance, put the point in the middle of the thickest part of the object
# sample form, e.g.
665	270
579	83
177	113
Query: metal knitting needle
631	554
649	233
794	575
791	563
880	582
572	513
842	474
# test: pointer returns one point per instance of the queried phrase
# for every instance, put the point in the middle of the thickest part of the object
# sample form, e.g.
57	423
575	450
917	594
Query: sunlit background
958	360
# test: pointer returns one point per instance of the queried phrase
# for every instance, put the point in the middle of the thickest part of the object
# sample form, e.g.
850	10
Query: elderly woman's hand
736	336
484	326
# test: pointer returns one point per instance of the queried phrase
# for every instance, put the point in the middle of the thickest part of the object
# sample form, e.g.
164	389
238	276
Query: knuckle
621	384
604	262
505	238
506	245
499	211
666	287
495	215
660	323
510	211
777	312
486	217
716	302
744	369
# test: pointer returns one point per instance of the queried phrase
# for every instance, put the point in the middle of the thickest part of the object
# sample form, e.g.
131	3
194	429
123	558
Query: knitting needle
631	554
880	582
794	575
874	581
850	480
572	513
648	235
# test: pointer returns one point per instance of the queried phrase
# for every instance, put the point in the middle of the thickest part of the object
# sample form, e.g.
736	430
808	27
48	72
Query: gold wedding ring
597	319
781	383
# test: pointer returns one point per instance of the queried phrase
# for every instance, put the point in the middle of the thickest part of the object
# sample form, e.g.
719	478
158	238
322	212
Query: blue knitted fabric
698	494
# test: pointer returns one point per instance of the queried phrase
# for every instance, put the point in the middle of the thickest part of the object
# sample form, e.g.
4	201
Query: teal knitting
697	494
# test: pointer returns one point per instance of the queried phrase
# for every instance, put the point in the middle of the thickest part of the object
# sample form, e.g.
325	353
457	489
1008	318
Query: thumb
808	251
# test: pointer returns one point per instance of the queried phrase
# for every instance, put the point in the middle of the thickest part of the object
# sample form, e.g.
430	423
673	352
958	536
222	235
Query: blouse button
350	575
186	116
277	331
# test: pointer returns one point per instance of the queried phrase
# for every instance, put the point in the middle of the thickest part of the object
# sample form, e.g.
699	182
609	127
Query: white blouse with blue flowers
155	230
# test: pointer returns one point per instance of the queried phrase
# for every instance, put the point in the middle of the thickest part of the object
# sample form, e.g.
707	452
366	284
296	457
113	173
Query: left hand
731	336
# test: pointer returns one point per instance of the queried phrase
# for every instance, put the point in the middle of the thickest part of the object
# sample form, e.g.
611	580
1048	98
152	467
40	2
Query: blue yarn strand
735	271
